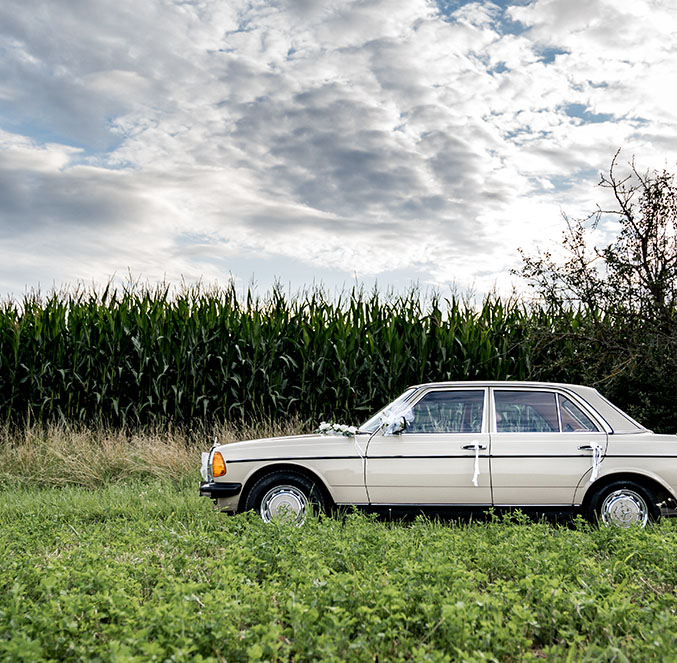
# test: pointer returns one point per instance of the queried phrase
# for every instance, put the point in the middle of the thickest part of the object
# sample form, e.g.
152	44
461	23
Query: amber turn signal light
218	465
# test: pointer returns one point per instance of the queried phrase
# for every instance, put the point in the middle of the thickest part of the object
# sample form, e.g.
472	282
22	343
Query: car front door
441	458
543	443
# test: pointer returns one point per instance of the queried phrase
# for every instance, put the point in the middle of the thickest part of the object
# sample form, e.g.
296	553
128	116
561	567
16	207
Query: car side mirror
395	427
395	423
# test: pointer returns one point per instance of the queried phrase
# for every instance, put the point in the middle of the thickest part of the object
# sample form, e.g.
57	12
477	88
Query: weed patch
148	571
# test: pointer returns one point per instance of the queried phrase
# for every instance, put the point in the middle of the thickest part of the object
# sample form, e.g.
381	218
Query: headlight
204	470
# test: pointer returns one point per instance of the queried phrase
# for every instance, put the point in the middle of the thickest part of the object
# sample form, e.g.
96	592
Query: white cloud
355	136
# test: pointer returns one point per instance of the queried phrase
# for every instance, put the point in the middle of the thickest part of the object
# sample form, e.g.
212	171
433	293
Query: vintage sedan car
460	447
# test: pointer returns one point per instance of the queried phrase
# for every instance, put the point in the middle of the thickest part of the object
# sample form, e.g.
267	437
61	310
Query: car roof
498	383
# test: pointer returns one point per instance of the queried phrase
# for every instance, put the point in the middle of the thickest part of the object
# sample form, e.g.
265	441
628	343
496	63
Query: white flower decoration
328	428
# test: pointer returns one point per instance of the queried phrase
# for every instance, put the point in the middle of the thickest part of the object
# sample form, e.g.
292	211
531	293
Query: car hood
294	446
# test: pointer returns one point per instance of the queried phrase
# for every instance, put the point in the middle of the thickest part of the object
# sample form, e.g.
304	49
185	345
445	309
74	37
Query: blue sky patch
504	24
548	55
581	112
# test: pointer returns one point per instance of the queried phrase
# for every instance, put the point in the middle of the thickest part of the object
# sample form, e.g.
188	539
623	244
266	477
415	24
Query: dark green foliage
613	309
149	572
145	358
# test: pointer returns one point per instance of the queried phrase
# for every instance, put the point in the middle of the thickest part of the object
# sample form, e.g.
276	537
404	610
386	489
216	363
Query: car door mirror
395	424
400	426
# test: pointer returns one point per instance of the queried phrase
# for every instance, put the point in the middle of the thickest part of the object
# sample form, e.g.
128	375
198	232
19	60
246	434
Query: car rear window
526	412
539	412
573	419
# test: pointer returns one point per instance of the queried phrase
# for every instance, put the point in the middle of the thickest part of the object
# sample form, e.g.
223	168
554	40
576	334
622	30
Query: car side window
448	412
526	412
573	418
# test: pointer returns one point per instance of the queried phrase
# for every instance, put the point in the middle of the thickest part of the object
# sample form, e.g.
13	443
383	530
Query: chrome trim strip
441	456
554	505
401	457
290	458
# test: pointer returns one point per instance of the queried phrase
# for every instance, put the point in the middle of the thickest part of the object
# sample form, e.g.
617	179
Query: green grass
148	571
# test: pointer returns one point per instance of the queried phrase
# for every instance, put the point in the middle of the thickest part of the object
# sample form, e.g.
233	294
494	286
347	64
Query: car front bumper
215	490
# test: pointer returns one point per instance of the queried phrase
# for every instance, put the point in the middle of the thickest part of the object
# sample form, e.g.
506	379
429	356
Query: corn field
145	357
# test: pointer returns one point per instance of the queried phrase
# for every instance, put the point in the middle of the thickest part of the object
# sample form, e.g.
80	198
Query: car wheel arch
261	472
655	486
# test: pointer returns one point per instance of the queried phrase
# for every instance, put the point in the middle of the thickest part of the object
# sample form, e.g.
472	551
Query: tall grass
58	455
148	357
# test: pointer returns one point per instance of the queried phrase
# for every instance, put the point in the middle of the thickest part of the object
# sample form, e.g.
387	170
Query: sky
330	142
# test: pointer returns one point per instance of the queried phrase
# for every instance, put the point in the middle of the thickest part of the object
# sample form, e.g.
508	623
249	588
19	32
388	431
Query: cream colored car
460	447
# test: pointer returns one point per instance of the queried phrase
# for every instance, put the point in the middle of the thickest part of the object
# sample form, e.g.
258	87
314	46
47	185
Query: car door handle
472	447
585	447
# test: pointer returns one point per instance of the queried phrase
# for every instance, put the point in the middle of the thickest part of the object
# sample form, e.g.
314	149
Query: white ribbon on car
476	475
596	460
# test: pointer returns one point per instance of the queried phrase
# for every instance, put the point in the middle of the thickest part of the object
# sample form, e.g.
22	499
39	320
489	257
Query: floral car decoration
328	428
459	447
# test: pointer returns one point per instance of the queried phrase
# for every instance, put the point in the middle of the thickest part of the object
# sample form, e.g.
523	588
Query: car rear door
544	442
440	459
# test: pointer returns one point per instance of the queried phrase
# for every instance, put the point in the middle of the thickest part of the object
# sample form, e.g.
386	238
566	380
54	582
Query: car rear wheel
285	497
623	504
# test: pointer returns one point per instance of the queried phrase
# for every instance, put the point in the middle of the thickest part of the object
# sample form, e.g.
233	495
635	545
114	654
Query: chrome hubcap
623	508
284	504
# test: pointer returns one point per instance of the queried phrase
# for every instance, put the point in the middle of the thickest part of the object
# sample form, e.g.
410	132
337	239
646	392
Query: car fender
617	473
340	487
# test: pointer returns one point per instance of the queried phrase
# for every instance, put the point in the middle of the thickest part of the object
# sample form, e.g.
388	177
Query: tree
636	274
611	311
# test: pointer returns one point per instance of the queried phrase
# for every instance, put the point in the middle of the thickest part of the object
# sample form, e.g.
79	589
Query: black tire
622	504
285	495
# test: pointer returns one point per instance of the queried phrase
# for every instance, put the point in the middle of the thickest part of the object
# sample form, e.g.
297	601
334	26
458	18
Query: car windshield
373	423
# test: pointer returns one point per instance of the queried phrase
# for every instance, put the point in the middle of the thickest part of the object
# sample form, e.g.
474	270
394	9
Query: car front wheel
623	504
285	497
